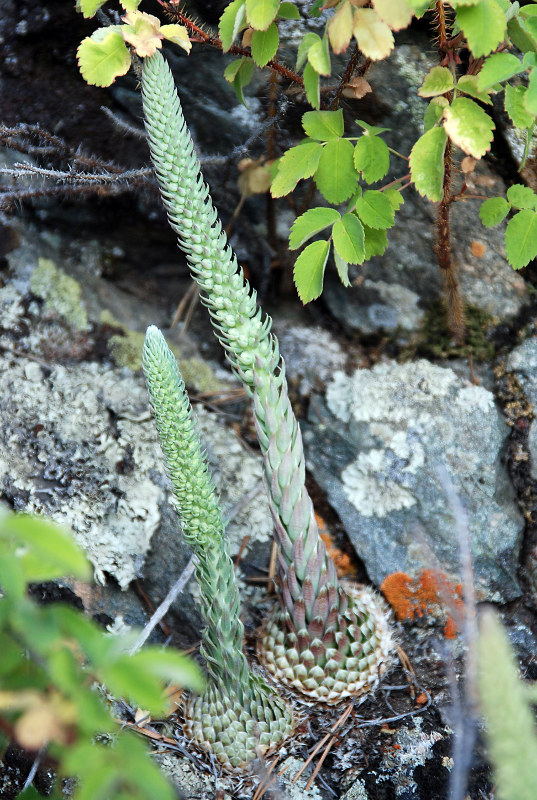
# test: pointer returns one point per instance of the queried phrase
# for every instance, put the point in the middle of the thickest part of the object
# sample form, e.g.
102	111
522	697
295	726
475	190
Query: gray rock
523	361
375	447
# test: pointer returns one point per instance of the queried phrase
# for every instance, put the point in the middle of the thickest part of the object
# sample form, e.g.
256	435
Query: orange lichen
430	593
344	565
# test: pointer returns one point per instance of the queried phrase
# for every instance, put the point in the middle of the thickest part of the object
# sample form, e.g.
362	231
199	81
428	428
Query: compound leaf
521	238
297	163
469	127
309	270
308	224
348	238
493	211
427	163
335	176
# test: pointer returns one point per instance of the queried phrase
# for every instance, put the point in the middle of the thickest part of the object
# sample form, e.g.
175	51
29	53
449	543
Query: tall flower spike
239	716
325	642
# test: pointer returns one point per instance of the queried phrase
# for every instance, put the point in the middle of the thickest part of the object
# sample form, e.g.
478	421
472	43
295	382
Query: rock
523	361
375	446
311	354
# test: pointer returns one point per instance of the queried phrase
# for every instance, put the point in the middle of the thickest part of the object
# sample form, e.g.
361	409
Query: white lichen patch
413	748
312	355
400	404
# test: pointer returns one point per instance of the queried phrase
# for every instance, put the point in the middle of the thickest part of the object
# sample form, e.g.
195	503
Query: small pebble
33	372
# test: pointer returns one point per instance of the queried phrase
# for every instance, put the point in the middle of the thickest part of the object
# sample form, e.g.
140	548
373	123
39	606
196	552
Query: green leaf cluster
51	656
521	230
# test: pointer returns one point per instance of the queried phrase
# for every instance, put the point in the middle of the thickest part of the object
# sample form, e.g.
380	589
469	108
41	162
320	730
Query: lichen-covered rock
523	361
62	293
376	449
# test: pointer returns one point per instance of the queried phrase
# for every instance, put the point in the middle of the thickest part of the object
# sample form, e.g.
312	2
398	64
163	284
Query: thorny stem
214	41
443	235
348	74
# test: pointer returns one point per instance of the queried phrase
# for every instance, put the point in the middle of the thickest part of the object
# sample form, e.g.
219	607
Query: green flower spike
239	716
326	642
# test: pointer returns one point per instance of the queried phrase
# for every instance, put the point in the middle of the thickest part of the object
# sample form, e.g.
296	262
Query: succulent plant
239	716
325	642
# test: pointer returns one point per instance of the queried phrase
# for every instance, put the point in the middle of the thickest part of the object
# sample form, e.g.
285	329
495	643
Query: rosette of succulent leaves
325	642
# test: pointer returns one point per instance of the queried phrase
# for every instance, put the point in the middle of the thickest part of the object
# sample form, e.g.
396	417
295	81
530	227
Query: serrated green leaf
497	68
434	112
307	41
319	57
335	176
375	210
297	163
438	80
265	44
521	36
371	158
521	196
468	85
484	26
395	197
530	98
231	22
89	7
514	105
427	163
469	127
312	86
340	28
342	269
260	13
102	60
47	551
309	270
177	34
493	211
376	241
308	224
288	11
323	125
239	73
529	60
348	239
521	238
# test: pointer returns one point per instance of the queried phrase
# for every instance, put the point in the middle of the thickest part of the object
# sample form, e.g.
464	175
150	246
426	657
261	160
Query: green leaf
371	158
521	238
89	7
521	196
319	57
170	665
265	45
395	197
484	26
497	68
335	176
348	239
372	129
469	85
434	112
514	105
521	36
260	13
309	270
342	269
310	223
103	56
323	125
288	11
312	86
231	22
307	41
375	210
427	164
530	98
47	551
297	163
493	211
130	5
239	73
469	127
438	80
376	242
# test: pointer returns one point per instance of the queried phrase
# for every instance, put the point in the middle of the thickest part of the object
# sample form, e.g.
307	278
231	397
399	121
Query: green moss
436	341
126	350
61	293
